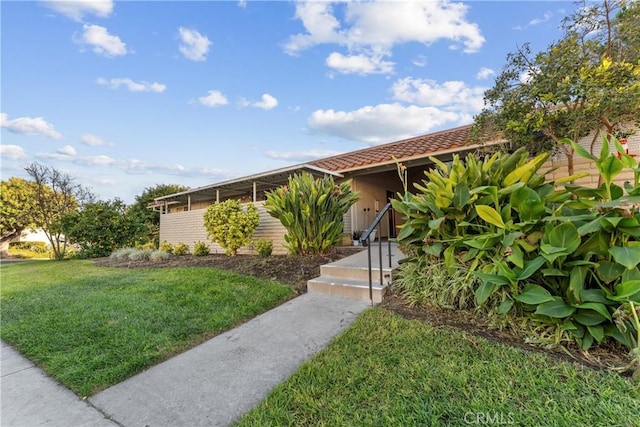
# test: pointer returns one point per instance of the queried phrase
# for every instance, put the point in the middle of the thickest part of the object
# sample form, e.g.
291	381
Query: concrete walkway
213	384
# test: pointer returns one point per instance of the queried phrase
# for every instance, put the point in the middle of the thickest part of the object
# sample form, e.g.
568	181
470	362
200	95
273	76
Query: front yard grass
90	327
389	371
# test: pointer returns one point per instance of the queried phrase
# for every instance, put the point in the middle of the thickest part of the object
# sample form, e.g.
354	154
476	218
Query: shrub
167	247
200	249
181	249
565	258
428	281
311	210
264	247
159	255
140	254
148	245
122	253
230	225
37	247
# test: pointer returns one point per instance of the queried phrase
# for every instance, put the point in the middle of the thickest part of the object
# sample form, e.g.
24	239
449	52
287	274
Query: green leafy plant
181	249
565	258
231	225
166	246
427	280
311	210
200	249
264	247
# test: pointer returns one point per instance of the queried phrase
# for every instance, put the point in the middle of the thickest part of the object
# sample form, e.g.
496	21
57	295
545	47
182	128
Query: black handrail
365	239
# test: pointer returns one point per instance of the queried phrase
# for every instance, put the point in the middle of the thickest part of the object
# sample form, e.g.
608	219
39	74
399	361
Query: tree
150	217
311	210
101	227
587	81
55	195
17	210
230	225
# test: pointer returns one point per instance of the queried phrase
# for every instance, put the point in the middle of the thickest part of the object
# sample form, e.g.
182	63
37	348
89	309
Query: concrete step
354	272
348	288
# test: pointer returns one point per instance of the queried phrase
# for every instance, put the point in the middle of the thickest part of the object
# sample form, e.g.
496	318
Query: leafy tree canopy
139	207
587	81
101	227
17	208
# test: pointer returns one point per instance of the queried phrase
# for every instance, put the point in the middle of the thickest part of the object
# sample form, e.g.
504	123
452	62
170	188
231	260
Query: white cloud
380	123
213	99
359	64
546	18
92	140
420	61
68	150
133	86
268	102
12	152
537	21
301	156
76	9
371	29
101	42
484	73
194	45
29	126
452	95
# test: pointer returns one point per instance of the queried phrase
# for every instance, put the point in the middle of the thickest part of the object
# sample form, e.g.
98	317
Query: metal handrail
365	239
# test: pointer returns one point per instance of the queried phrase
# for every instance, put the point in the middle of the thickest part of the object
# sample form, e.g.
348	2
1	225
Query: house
373	172
374	176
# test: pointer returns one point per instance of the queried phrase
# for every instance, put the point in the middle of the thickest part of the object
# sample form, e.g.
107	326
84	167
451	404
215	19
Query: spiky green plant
311	209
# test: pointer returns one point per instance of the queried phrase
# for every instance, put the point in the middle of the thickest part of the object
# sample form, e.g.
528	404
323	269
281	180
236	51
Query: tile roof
418	146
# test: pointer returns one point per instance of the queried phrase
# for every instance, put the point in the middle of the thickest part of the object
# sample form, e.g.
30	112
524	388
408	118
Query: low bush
200	249
159	255
166	246
37	247
264	247
122	253
140	254
180	249
428	280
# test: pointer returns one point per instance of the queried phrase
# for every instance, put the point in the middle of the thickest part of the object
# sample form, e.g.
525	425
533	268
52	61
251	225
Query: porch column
189	202
255	191
217	195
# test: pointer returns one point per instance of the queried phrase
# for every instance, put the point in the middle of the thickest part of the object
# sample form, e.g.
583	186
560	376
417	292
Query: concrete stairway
349	277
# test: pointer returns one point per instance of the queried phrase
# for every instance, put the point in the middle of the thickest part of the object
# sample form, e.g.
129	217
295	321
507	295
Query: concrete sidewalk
213	384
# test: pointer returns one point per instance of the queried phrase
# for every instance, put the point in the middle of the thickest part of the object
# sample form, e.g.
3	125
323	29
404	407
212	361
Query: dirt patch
296	271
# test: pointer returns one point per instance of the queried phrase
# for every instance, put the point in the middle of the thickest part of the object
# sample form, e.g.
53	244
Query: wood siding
188	227
557	166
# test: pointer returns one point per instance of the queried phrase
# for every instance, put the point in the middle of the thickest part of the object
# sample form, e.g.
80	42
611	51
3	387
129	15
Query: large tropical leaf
490	215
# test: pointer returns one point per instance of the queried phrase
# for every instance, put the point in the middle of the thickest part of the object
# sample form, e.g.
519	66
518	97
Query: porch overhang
247	186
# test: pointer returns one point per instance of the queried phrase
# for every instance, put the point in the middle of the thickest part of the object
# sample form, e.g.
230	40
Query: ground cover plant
90	327
565	259
386	370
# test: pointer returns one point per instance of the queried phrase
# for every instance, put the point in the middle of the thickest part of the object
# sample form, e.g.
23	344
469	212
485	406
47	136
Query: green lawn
388	371
90	327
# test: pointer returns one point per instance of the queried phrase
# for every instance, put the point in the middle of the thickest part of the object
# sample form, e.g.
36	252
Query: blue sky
125	95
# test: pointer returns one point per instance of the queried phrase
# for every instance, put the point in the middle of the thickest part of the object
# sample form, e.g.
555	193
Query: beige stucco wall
188	227
557	166
373	193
